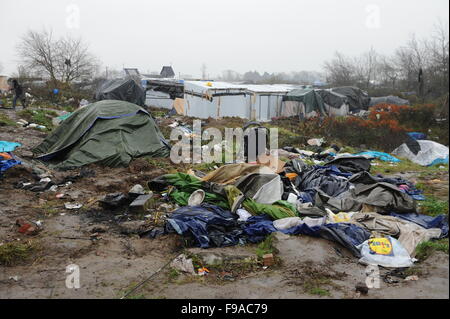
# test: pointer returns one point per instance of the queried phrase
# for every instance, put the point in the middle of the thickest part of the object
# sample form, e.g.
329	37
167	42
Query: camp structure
125	89
307	103
204	99
357	98
390	99
264	101
162	93
109	133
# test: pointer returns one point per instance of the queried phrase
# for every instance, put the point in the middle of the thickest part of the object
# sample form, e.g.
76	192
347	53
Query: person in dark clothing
19	94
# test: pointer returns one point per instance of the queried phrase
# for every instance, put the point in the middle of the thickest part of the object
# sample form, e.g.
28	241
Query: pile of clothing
339	201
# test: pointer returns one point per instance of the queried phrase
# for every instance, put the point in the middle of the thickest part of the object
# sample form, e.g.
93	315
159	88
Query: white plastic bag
384	251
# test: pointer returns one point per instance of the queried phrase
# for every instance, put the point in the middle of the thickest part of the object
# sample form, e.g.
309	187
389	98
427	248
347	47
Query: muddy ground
113	259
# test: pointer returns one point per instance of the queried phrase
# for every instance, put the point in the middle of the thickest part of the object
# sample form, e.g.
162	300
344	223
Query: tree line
420	66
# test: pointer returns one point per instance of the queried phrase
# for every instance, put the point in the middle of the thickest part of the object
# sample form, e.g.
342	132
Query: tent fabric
228	174
109	133
314	102
263	188
310	102
390	99
431	153
121	89
357	98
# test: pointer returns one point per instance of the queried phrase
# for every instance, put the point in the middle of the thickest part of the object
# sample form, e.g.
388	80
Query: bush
384	129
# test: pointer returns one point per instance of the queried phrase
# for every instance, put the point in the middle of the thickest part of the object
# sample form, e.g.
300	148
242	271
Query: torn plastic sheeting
379	155
328	179
263	188
202	223
426	221
431	153
347	235
8	146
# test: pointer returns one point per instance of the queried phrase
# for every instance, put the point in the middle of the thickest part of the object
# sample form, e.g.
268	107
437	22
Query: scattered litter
27	228
203	271
412	278
71	206
315	141
196	198
182	263
268	260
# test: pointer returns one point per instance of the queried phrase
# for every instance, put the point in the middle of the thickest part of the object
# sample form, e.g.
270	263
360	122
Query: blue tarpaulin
8	146
7	164
380	155
417	135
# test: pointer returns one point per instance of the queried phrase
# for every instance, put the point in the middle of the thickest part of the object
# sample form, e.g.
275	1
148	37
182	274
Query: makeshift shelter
167	72
163	93
390	99
308	103
204	99
357	98
264	101
109	133
121	89
430	153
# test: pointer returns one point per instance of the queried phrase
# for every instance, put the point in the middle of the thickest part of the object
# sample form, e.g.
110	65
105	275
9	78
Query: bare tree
369	67
37	52
65	59
340	70
388	71
73	61
438	54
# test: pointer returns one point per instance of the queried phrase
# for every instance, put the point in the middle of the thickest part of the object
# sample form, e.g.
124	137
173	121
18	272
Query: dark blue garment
7	164
426	221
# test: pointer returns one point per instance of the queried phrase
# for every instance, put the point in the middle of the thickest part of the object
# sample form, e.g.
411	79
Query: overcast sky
242	35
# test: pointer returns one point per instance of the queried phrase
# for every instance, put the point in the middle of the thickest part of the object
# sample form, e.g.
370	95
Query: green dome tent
109	133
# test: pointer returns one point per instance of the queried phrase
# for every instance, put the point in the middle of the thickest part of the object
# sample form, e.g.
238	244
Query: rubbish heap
373	216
